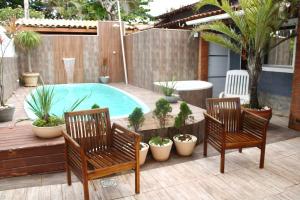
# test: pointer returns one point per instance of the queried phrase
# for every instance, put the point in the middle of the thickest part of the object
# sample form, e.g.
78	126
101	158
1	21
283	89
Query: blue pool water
120	103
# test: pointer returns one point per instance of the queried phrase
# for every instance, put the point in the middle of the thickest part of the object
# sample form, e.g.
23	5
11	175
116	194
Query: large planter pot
143	152
7	113
185	148
161	153
264	113
104	79
30	79
171	99
47	132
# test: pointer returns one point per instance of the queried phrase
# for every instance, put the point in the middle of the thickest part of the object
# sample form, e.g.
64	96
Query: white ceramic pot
161	153
143	153
47	132
185	148
30	79
104	79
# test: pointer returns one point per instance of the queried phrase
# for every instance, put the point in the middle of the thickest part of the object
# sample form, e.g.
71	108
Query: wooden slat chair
95	149
226	127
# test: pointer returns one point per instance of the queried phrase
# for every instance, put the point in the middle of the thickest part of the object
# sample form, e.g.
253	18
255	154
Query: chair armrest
126	141
254	125
214	130
222	95
71	141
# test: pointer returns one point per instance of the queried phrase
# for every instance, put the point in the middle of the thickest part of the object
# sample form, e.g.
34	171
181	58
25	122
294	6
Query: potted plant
104	77
168	89
26	41
11	30
254	25
46	125
184	143
161	147
136	119
95	106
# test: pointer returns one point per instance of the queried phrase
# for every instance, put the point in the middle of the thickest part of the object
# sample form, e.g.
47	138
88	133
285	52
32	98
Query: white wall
7	46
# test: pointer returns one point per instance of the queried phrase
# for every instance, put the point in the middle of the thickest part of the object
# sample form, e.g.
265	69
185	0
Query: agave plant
254	24
41	102
28	40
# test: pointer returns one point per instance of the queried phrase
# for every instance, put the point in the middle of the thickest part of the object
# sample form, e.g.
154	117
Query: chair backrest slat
226	110
237	82
90	128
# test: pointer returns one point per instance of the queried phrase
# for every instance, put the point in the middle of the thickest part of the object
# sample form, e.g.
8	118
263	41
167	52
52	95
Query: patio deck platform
22	153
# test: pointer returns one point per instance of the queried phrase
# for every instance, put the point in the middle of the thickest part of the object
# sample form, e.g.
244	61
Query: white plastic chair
237	85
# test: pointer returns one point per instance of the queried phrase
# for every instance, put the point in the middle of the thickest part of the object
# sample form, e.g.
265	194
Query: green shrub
180	120
95	106
161	111
159	141
8	13
169	88
136	118
52	121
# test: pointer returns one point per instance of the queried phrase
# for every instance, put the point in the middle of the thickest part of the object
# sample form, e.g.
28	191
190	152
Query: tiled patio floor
197	179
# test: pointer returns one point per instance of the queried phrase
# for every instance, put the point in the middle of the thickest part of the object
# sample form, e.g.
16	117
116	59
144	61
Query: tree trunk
29	61
254	69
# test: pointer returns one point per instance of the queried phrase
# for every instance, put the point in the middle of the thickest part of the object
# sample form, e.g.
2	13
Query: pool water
120	103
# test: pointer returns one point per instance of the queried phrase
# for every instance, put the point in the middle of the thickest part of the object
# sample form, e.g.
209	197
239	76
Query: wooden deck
22	153
197	179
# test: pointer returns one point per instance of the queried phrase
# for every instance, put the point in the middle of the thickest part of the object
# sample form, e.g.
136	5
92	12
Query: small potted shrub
136	119
27	41
95	106
47	125
184	143
104	77
168	89
161	147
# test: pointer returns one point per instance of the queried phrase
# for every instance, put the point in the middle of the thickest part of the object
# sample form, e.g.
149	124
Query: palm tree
251	31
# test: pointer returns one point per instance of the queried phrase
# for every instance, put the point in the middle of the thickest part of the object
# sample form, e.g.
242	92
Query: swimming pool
120	103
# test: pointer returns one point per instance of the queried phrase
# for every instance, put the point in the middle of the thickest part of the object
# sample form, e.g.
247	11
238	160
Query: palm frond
221	40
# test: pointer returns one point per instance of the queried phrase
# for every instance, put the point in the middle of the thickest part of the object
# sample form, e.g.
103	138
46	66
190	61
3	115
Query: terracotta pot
47	132
161	153
30	79
185	148
267	114
143	153
6	113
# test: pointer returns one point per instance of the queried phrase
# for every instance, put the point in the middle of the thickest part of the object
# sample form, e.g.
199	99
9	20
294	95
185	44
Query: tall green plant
28	40
161	111
136	118
254	24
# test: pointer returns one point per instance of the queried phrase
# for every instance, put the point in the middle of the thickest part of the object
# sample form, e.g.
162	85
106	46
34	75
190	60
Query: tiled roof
57	23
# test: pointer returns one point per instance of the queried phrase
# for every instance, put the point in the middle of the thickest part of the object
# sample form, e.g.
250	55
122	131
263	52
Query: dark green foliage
136	118
180	120
161	111
159	141
183	115
169	88
137	12
95	106
52	121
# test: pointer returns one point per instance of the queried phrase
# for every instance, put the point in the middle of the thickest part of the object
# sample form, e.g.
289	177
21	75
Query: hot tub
194	92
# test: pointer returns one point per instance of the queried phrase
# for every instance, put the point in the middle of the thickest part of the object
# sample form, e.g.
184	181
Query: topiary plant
161	111
180	120
136	119
95	106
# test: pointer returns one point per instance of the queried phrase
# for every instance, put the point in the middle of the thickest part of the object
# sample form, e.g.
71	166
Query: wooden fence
88	51
159	55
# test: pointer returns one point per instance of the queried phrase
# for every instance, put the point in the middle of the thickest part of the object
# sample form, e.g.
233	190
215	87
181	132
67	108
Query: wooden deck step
22	153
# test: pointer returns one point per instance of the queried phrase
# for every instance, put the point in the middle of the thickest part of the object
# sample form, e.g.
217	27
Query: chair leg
240	150
205	147
222	164
262	156
85	184
69	175
137	179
